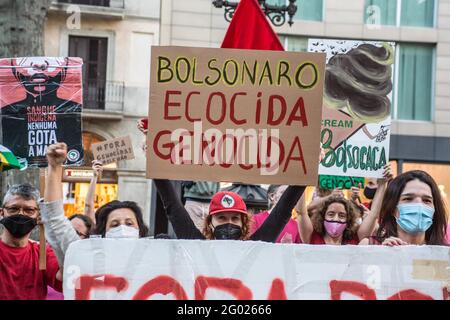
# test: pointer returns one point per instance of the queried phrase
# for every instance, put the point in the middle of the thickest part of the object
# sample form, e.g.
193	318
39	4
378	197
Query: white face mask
123	231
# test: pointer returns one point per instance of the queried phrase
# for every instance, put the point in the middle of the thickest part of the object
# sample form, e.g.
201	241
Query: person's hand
393	241
364	210
56	154
354	194
142	125
387	174
322	153
144	147
97	166
337	192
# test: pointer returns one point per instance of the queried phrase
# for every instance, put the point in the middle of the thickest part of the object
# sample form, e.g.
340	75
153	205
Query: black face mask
227	231
19	225
369	193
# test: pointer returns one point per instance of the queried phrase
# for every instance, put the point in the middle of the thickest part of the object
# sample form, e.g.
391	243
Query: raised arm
369	222
97	167
182	223
304	223
280	215
56	155
58	230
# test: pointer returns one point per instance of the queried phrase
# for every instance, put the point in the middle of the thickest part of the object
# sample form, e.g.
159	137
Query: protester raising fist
56	154
116	219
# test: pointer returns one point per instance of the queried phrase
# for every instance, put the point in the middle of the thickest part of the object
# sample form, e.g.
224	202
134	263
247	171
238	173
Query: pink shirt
290	230
54	295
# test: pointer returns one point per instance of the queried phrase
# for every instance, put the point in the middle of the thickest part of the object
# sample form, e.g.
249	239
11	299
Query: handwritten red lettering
410	294
355	288
233	286
162	285
88	283
277	291
168	104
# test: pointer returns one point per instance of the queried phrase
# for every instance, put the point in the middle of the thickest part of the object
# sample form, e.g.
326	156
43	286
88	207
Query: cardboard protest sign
235	115
113	150
333	182
357	106
41	102
126	269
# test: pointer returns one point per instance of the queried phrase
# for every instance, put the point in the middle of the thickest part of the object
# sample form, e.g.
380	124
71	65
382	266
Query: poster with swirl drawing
356	110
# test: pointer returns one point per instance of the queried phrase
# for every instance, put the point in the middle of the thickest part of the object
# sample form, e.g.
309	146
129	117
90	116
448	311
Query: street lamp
276	14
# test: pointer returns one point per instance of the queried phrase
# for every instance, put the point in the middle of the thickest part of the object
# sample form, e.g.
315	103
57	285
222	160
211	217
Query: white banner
199	269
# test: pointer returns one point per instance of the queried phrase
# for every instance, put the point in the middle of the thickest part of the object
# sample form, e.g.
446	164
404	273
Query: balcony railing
103	95
108	9
98	3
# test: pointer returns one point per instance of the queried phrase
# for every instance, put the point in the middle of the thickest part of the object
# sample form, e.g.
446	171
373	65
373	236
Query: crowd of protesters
404	210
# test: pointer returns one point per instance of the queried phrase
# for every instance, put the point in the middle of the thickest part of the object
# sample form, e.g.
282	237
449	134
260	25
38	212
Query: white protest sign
199	269
113	150
356	118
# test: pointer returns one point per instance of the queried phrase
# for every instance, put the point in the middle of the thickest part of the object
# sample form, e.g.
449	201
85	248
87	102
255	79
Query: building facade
114	38
419	28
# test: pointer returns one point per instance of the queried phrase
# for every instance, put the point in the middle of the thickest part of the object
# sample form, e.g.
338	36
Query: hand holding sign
337	192
143	125
388	175
354	193
393	241
97	167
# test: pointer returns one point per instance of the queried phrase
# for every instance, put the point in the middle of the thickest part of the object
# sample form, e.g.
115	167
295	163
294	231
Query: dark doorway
94	52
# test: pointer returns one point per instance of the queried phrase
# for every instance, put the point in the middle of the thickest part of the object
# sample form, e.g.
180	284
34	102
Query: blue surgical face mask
415	217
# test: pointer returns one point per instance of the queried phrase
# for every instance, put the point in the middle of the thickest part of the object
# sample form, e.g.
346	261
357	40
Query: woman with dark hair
412	212
120	219
117	219
82	225
334	223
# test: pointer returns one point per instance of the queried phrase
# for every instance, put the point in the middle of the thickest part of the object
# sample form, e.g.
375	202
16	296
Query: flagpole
42	242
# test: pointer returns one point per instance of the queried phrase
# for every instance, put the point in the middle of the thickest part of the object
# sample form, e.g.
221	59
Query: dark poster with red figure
41	102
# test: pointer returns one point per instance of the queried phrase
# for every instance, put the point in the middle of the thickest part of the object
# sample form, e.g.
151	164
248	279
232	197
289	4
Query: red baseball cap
227	201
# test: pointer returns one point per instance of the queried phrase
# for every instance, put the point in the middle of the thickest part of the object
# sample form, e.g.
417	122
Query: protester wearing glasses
20	277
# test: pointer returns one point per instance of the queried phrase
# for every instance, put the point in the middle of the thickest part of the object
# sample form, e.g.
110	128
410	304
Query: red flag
249	29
